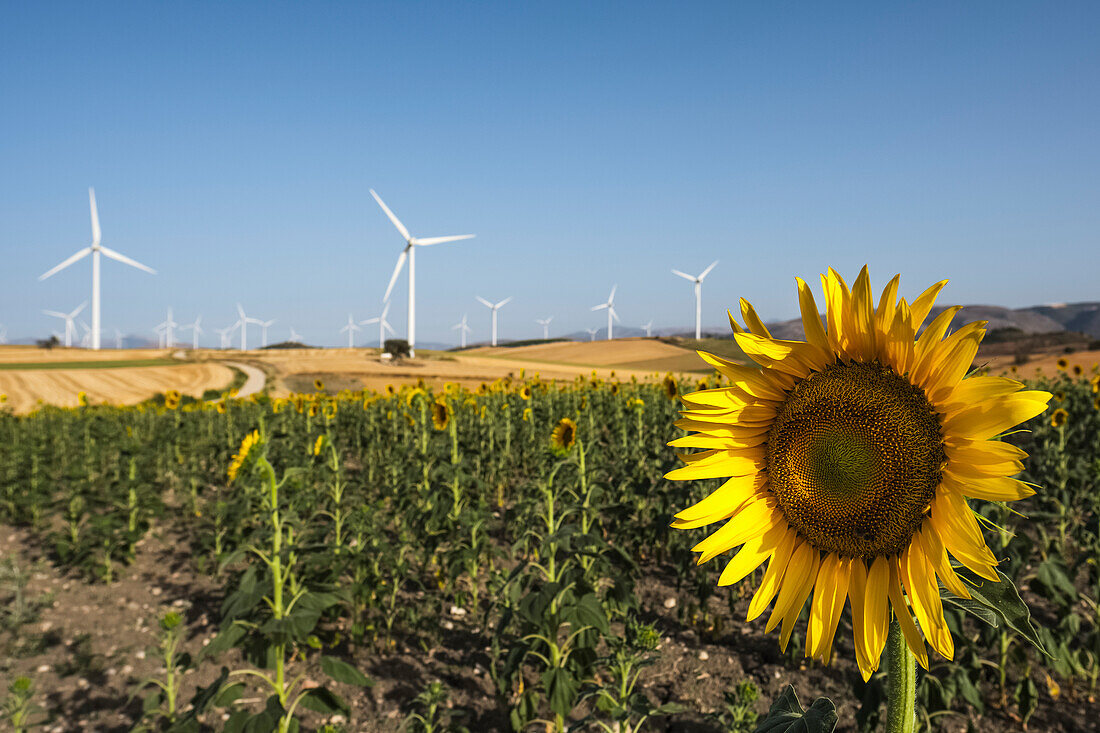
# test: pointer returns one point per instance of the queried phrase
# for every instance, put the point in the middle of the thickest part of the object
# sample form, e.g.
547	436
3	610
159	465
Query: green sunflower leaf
997	603
787	716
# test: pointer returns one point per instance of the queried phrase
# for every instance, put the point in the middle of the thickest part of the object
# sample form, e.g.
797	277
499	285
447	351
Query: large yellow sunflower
850	457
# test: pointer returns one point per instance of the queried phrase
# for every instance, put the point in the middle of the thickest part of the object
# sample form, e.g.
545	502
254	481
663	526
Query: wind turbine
592	333
494	309
409	253
168	324
159	331
545	327
226	334
118	339
647	327
609	305
264	325
95	251
3	334
86	339
70	325
243	323
383	325
351	328
463	329
294	335
196	331
698	295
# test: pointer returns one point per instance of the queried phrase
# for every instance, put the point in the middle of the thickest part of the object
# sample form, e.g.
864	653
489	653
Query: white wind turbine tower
3	334
70	325
411	243
647	327
167	325
118	339
196	331
86	339
698	295
592	333
609	305
545	323
226	334
95	251
264	325
463	328
383	325
494	309
243	323
351	328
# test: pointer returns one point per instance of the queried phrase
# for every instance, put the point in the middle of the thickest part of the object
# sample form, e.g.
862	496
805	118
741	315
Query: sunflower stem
901	693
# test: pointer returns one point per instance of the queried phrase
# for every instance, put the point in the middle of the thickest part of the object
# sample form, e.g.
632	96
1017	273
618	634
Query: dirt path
255	381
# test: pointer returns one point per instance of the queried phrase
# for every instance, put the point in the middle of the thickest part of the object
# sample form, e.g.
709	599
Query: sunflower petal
797	582
719	464
977	389
752	320
989	418
755	518
811	319
773	576
752	555
722	503
905	619
920	586
923	304
857	594
997	488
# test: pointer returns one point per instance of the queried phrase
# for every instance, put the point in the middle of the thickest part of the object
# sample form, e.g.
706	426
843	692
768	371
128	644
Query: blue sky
232	147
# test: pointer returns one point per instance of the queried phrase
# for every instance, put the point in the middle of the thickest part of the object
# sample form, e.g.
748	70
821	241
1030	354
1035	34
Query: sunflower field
495	559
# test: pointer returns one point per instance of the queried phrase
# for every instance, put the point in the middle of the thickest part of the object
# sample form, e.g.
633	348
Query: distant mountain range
1076	317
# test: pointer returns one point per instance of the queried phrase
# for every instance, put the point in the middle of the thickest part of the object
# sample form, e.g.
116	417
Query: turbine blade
504	302
369	321
707	271
684	275
441	240
82	253
95	217
600	307
484	302
385	310
396	222
396	271
388	327
77	311
611	298
126	260
55	314
614	314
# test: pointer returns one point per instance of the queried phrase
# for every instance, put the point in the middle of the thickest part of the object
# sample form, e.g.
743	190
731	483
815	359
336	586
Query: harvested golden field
125	385
361	368
33	354
1044	364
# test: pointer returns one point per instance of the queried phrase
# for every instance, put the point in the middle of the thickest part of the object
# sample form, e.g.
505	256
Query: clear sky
232	147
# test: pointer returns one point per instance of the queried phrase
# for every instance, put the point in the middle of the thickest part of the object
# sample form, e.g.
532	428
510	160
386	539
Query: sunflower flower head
441	414
82	398
670	388
240	458
1059	417
318	385
563	436
1077	370
1062	364
1094	382
526	414
172	399
525	392
848	460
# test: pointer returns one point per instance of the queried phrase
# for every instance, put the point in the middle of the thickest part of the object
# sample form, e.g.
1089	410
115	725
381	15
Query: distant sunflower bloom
222	406
318	385
172	399
318	444
82	399
390	391
1059	417
526	414
851	456
330	409
1077	370
299	403
669	384
525	392
314	409
250	441
615	388
1062	364
441	414
1096	403
564	435
1095	384
1059	396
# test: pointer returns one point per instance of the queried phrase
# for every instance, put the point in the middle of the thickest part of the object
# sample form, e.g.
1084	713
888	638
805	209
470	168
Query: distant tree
396	348
49	343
